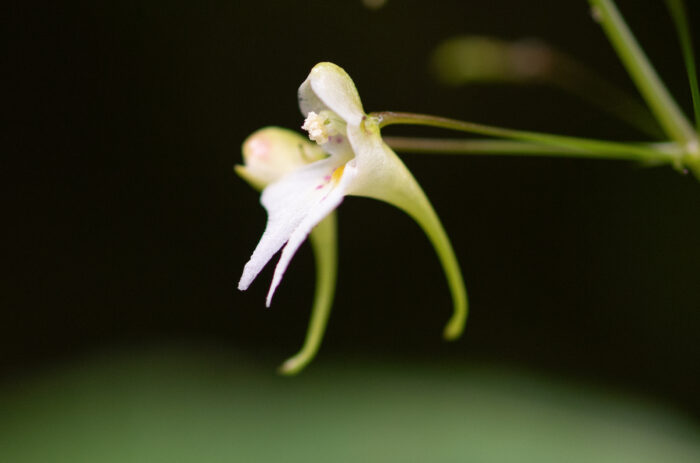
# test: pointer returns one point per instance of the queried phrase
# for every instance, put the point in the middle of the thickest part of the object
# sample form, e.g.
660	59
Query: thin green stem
592	148
324	239
680	19
642	72
500	147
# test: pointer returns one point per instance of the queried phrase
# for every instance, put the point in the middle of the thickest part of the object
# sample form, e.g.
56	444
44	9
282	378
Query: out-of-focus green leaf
174	406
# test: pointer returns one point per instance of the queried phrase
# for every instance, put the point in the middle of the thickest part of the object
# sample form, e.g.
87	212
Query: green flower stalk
470	59
358	163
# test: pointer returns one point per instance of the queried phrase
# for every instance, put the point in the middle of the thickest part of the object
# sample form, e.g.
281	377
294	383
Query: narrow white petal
330	87
320	211
288	202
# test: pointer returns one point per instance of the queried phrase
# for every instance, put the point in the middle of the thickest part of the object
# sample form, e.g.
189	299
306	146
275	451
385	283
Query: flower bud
272	152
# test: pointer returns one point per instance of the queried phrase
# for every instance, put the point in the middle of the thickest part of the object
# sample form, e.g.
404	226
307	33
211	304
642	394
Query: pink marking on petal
259	148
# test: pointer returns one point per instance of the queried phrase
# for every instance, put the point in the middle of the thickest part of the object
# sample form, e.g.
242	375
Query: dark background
126	225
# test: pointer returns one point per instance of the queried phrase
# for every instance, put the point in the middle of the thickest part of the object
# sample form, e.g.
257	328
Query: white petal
325	206
328	86
322	209
288	203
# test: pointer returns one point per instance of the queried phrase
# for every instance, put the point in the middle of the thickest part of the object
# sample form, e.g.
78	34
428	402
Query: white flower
359	164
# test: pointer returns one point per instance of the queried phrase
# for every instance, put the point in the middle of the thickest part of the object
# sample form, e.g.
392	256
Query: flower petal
328	86
322	209
288	203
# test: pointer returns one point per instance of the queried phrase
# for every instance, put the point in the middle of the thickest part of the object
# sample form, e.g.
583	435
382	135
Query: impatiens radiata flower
301	187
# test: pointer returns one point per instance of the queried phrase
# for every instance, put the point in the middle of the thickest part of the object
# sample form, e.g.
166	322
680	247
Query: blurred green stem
680	19
643	74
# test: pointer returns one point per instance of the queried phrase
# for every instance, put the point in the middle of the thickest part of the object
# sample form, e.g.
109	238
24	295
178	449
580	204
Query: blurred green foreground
202	406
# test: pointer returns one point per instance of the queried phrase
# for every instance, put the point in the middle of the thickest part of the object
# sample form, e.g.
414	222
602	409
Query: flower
298	195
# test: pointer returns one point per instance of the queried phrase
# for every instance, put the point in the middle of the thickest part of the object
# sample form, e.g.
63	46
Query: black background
126	225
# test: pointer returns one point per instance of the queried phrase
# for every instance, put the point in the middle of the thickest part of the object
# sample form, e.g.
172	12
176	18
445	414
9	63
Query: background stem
642	72
680	19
